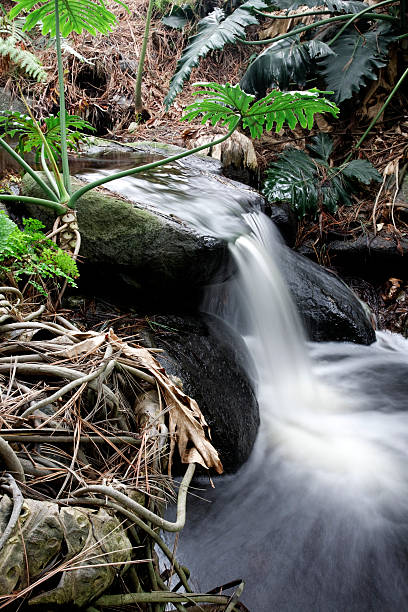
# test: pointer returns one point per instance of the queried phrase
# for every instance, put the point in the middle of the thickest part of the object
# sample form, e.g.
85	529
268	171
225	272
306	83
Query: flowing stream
317	520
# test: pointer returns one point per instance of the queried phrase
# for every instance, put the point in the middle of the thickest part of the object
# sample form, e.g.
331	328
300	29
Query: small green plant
29	255
224	104
23	59
309	183
14	124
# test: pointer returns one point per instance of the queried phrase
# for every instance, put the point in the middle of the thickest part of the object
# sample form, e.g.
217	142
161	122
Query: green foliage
12	27
228	105
284	62
74	16
14	124
28	253
310	184
345	66
25	60
356	57
214	32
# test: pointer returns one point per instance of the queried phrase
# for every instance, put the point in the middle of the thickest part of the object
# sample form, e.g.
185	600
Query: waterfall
317	520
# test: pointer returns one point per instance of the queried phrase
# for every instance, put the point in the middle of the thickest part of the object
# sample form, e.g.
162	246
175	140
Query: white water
317	520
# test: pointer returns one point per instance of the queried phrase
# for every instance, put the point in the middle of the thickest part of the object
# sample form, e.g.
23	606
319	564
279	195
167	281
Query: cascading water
317	520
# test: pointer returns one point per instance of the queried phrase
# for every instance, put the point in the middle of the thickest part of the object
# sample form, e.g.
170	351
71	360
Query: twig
140	510
159	597
72	385
11	461
18	501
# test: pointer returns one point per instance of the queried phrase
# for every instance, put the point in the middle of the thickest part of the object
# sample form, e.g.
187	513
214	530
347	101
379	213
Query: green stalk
317	24
28	169
59	209
127	599
139	76
382	109
355	17
291	16
61	193
151	166
63	127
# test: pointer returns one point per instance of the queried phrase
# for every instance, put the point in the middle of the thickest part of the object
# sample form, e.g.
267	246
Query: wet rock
129	249
9	102
329	309
370	256
285	220
209	359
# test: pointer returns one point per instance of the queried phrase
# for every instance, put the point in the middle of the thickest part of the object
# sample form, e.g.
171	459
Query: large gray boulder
132	246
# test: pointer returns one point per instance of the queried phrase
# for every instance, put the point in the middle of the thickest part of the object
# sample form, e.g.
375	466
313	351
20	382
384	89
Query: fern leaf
74	16
321	147
23	59
309	183
214	32
361	170
228	104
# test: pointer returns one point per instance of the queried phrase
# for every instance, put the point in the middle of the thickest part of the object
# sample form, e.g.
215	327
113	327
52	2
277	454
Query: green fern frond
25	60
228	104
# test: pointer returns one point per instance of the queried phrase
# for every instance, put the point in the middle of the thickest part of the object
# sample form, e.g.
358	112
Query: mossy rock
141	248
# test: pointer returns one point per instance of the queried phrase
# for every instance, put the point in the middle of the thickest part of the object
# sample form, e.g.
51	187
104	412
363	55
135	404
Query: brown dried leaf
186	422
89	345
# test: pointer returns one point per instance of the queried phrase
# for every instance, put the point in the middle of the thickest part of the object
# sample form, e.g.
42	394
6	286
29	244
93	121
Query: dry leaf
186	422
90	344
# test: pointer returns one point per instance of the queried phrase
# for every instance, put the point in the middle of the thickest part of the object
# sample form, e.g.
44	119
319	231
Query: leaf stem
354	18
139	76
317	24
62	114
161	162
59	208
28	169
375	119
291	16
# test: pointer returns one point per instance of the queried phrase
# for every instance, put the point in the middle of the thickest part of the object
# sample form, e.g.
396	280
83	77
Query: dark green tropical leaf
228	105
361	170
175	22
309	184
292	178
358	57
279	64
283	62
321	147
214	32
335	6
178	17
317	48
74	16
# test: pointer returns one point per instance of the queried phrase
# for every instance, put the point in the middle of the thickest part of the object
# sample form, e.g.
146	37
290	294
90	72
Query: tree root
139	510
11	487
